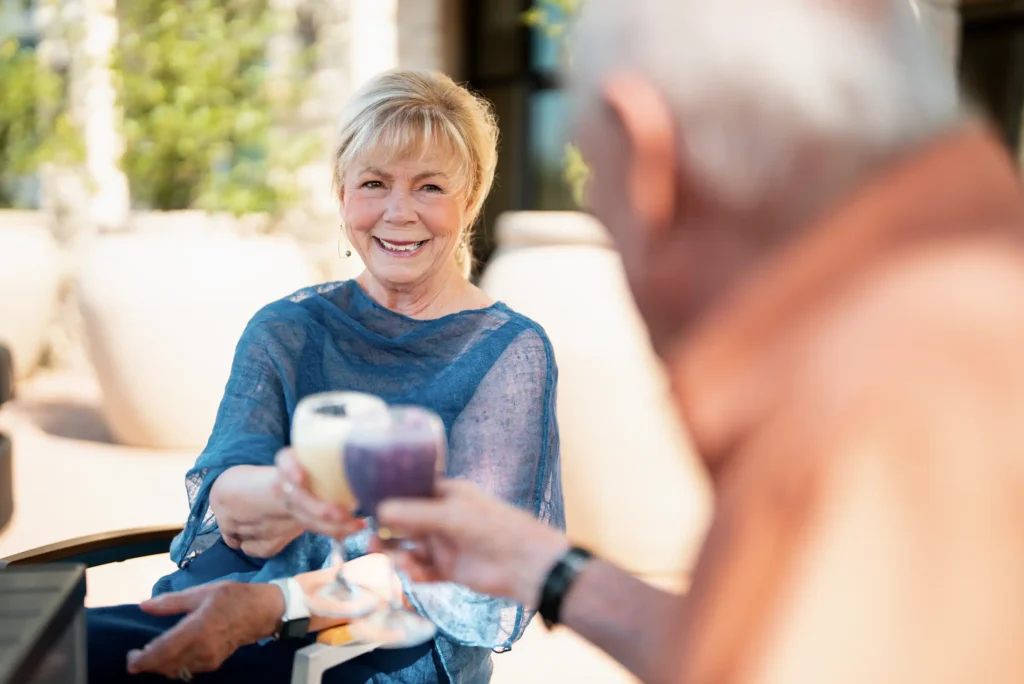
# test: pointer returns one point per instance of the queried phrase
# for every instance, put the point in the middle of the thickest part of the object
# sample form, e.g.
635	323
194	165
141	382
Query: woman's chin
390	273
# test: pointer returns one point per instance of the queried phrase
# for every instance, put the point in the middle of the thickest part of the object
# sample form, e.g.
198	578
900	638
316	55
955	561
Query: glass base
391	628
342	602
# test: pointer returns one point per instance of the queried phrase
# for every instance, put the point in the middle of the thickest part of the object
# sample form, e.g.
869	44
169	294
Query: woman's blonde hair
405	113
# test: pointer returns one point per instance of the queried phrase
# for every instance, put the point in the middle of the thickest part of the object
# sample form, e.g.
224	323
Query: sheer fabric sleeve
251	425
506	441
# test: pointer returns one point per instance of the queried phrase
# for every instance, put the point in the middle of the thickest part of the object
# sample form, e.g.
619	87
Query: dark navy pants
114	631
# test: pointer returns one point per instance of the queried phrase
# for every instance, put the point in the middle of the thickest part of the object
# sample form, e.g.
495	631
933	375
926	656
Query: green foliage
576	173
199	107
34	124
552	16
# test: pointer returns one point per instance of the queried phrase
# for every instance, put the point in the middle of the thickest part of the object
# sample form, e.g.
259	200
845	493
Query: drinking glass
320	427
398	456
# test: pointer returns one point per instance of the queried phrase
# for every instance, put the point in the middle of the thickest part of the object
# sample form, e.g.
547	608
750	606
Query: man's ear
652	171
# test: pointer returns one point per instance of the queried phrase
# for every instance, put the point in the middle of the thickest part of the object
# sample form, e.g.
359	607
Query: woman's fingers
288	467
314	514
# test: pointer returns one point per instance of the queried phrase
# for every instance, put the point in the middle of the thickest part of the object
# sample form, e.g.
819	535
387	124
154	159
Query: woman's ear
652	172
341	200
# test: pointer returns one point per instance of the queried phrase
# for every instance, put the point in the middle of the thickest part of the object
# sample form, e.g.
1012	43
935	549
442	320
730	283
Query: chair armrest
99	549
311	662
6	375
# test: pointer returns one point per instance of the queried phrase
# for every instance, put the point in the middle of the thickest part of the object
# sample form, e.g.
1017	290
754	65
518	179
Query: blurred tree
34	124
554	17
199	109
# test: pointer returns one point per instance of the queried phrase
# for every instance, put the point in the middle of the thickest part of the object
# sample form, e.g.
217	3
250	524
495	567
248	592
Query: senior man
827	253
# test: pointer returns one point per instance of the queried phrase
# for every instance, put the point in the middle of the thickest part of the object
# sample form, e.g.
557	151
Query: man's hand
311	513
220	617
470	538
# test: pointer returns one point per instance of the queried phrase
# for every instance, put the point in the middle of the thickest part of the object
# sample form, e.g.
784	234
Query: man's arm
626	618
471	538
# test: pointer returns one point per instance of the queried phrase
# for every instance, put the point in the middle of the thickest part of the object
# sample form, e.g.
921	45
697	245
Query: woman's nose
399	210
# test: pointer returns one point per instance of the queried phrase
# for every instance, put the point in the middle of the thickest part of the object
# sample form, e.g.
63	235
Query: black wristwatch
558	583
295	621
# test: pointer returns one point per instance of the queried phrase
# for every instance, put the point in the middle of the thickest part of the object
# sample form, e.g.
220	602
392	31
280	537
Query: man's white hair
760	87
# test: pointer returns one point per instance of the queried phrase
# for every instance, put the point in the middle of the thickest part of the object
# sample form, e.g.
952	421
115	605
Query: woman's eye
430	187
372	185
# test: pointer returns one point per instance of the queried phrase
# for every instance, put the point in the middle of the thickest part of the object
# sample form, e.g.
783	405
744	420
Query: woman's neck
444	293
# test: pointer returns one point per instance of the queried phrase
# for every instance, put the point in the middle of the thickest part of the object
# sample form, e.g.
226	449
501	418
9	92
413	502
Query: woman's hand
473	539
219	618
313	514
249	512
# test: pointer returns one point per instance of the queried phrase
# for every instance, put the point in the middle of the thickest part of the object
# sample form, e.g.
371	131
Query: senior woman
414	163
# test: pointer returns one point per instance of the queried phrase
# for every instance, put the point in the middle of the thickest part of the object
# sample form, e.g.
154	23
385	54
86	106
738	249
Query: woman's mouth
399	248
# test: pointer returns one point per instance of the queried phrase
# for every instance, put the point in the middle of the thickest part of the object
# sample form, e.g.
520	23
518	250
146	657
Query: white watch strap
295	607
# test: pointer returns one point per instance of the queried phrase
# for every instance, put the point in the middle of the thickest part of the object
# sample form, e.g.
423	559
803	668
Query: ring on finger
184	674
288	489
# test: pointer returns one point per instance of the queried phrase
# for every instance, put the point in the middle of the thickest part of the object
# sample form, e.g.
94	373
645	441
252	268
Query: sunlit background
165	171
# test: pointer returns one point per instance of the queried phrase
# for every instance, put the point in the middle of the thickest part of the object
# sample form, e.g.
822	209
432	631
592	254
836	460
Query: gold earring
348	250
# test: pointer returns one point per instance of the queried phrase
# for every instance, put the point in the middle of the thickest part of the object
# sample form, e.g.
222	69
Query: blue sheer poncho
490	375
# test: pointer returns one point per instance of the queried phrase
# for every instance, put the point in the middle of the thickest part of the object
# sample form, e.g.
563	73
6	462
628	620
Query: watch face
295	629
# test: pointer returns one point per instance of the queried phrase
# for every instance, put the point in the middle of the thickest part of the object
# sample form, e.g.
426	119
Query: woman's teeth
392	247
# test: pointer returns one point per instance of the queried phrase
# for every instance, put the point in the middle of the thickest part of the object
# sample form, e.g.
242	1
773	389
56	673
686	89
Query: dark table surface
38	605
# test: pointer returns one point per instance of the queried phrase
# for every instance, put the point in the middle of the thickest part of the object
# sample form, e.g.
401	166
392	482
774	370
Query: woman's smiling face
404	217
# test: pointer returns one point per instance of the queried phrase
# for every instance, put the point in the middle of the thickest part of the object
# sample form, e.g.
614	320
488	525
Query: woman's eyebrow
378	172
429	174
419	176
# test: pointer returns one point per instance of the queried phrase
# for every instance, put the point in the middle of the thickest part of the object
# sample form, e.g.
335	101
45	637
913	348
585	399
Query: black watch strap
293	629
558	582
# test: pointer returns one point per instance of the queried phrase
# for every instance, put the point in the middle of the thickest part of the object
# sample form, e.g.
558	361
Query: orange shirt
860	404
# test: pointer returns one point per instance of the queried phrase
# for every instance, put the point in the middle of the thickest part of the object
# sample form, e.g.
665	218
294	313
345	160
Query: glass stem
339	558
396	584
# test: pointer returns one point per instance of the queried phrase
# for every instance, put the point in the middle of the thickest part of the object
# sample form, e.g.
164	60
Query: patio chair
333	647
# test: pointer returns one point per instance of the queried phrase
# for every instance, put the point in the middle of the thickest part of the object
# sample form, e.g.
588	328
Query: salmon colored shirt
860	405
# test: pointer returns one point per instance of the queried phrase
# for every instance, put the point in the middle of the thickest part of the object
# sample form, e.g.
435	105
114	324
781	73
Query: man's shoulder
923	327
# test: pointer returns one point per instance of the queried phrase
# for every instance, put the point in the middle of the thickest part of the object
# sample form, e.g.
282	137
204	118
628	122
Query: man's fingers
449	488
416	517
175	603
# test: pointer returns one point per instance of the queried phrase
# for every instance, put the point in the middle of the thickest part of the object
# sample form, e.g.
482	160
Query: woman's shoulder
301	310
527	339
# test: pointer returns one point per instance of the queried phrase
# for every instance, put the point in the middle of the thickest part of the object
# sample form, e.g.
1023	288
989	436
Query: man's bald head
749	81
764	112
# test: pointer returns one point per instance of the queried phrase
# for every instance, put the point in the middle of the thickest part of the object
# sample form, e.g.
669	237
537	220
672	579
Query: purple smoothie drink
399	454
398	457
